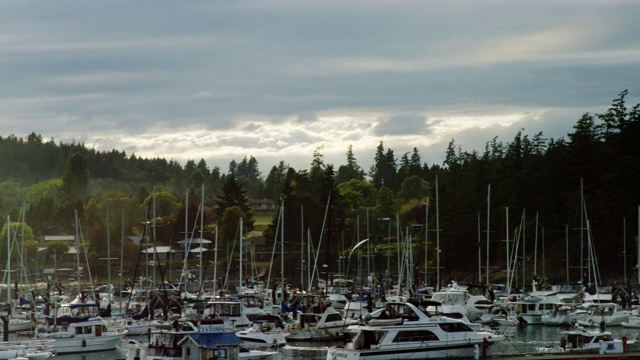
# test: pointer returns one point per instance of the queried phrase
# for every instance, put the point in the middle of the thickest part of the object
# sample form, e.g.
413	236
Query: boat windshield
225	309
397	310
567	288
450	297
414	336
367	339
455	327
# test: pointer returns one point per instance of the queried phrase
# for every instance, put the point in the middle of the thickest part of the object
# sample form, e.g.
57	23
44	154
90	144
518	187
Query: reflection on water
525	340
100	355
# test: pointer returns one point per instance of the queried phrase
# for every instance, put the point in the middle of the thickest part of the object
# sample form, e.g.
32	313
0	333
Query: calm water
525	340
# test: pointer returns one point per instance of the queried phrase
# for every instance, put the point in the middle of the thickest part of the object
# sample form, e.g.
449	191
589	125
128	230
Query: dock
569	356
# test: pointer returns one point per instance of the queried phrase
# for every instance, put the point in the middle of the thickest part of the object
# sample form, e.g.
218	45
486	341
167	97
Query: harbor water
523	340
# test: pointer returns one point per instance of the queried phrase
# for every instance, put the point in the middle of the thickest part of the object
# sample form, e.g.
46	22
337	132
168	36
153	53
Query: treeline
537	179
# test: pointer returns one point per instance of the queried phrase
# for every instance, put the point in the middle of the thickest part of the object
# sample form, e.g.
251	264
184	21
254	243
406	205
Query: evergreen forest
569	201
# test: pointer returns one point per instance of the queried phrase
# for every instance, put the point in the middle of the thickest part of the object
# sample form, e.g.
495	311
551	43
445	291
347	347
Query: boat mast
146	255
479	252
153	232
282	249
240	225
426	241
582	231
488	213
215	262
201	233
121	256
77	250
624	248
509	275
8	259
309	244
358	240
368	253
108	256
437	236
535	248
187	243
398	236
22	254
524	258
301	246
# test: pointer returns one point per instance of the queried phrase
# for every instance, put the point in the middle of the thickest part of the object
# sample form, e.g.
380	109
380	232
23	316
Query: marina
522	345
518	341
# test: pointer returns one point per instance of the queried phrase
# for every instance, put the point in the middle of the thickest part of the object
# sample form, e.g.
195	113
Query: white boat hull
16	325
441	350
82	345
25	354
530	319
608	321
608	347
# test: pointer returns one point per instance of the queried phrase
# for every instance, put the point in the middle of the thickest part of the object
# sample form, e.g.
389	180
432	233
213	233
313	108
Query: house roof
199	249
157	249
59	238
195	241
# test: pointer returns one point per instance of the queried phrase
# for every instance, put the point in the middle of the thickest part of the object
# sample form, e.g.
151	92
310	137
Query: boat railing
506	331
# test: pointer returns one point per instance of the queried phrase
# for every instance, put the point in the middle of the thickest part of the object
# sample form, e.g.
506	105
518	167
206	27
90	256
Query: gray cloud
277	79
398	125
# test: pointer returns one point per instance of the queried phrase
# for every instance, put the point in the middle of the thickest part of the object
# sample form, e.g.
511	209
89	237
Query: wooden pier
569	356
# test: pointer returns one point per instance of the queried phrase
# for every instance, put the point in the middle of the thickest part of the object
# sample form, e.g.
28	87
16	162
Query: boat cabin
401	310
76	312
221	308
576	340
311	319
250	301
269	320
95	327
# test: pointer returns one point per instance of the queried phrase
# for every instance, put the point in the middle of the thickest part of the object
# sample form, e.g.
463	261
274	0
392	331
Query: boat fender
84	343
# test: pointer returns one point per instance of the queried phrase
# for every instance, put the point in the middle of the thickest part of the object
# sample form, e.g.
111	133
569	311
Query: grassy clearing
262	220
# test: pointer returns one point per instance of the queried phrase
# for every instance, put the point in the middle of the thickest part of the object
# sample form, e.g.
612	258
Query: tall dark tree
351	170
248	175
384	169
75	180
234	195
274	183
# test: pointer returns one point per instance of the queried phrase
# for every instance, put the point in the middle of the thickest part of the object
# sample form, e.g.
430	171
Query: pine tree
234	195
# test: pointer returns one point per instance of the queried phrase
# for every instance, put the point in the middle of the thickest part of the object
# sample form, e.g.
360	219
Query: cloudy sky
221	80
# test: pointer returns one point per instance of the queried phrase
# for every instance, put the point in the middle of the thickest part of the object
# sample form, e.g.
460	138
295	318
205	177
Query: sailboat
77	326
15	323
